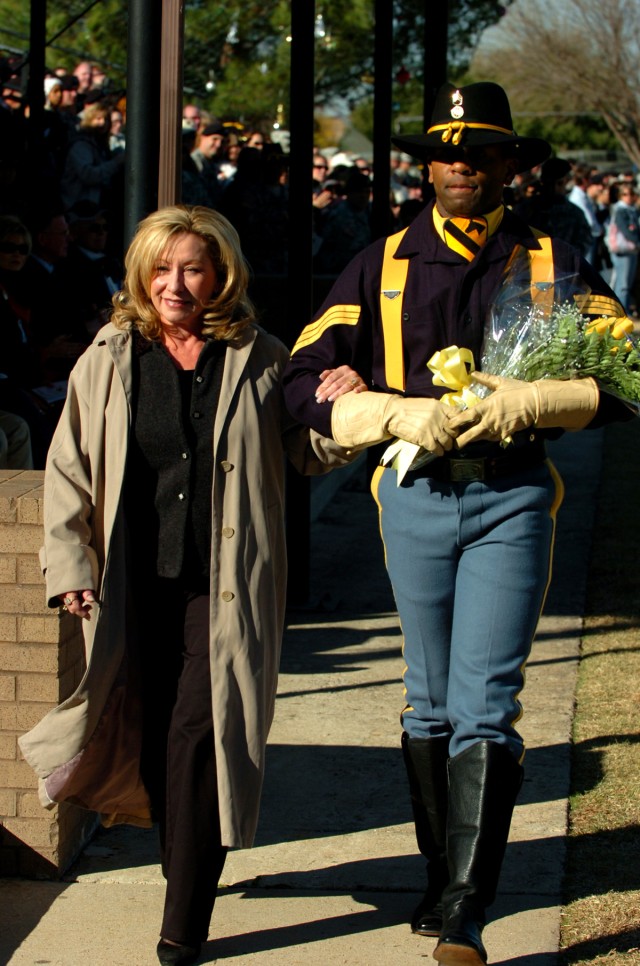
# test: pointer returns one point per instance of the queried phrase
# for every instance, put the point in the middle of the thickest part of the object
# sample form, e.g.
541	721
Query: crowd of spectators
61	230
580	203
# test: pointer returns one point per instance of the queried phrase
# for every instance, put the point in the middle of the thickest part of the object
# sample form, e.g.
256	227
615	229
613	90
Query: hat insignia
457	111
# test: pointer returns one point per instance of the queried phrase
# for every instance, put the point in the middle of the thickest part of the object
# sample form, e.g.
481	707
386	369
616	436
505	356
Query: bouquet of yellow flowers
535	332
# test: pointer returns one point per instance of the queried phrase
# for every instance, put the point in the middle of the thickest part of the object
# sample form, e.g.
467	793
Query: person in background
207	156
91	169
346	229
549	209
468	534
89	271
15	443
69	102
194	189
22	375
55	136
164	535
83	72
49	295
626	218
320	168
254	139
117	139
229	164
585	194
191	114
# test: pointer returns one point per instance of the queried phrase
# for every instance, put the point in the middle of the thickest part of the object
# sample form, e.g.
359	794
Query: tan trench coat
86	750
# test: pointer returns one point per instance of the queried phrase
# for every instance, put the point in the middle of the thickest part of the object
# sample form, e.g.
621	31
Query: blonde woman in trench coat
164	510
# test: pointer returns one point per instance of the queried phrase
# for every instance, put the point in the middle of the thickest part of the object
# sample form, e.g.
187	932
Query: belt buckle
466	470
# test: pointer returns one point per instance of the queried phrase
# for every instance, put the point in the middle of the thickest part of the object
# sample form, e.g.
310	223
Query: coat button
185	456
181	496
227	595
226	466
197	415
198	378
405	316
227	531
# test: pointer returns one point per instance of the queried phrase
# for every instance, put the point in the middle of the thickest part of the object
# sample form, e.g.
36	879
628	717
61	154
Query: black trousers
178	755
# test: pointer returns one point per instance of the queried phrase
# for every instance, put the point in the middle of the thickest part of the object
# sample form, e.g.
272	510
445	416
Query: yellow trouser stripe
394	277
336	315
553	513
374	486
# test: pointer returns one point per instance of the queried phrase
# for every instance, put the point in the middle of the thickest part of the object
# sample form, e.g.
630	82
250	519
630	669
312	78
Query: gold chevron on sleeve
336	315
600	305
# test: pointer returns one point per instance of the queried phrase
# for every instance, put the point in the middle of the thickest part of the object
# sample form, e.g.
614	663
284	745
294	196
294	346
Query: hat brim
528	152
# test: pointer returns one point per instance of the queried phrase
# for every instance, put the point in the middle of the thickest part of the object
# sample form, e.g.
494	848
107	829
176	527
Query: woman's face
14	251
183	281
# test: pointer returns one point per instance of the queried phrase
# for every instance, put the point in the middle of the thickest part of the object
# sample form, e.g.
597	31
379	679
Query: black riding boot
484	781
426	763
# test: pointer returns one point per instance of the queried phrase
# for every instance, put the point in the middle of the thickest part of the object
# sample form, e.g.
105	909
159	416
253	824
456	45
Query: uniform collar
493	219
421	238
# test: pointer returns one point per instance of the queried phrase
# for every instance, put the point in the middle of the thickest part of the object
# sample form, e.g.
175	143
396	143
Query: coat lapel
235	362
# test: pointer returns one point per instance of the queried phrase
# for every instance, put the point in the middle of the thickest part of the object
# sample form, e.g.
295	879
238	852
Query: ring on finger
353	382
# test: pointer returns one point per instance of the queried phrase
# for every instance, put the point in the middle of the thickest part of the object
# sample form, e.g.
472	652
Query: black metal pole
436	22
300	270
382	105
300	173
35	83
143	113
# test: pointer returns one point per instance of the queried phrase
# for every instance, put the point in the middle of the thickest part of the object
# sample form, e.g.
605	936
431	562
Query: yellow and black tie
466	236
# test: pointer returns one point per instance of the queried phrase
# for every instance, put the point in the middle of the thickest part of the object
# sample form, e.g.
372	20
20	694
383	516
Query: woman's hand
337	382
78	602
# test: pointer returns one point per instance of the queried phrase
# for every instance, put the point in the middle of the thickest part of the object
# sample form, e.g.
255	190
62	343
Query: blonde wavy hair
227	313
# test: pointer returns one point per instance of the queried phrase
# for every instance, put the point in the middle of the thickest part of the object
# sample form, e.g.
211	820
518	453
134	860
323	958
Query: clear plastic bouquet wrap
535	330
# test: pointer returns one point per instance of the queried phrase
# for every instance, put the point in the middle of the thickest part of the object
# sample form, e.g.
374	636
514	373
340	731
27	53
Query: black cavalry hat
471	116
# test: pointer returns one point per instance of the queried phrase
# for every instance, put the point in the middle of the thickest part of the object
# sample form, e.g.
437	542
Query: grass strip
601	917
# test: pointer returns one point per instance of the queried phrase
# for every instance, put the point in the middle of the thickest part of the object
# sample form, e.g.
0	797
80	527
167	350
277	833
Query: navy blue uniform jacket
445	303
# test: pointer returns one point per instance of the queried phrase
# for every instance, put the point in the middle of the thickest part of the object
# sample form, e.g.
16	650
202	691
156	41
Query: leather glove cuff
566	403
359	418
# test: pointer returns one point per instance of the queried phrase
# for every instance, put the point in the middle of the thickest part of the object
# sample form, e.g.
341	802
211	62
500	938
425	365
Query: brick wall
41	662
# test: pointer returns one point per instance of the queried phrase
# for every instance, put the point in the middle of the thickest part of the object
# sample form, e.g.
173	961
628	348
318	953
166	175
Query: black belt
473	469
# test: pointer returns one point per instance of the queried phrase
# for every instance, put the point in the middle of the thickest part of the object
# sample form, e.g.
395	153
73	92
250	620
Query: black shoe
426	763
170	954
461	943
427	916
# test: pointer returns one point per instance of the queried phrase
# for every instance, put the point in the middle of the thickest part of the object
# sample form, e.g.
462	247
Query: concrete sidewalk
334	874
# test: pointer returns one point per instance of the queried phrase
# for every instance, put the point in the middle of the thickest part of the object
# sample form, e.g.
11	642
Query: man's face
470	181
211	144
69	97
83	72
53	241
192	114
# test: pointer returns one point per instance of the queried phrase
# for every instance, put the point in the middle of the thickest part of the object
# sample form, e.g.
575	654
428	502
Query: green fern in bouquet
567	345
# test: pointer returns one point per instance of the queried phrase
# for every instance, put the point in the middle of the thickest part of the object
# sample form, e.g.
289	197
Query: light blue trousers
469	564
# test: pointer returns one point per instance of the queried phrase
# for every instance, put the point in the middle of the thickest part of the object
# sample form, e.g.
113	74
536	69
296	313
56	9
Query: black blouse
169	469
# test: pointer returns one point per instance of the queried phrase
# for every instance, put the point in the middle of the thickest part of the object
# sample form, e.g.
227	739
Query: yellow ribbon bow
451	368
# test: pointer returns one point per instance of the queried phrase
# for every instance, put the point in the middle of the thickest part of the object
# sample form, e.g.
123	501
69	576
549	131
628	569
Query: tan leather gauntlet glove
361	419
514	405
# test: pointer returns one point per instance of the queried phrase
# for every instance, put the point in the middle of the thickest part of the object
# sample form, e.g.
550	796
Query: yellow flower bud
622	327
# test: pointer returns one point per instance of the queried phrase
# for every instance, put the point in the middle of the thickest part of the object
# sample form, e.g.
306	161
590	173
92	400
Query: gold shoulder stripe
335	315
394	278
